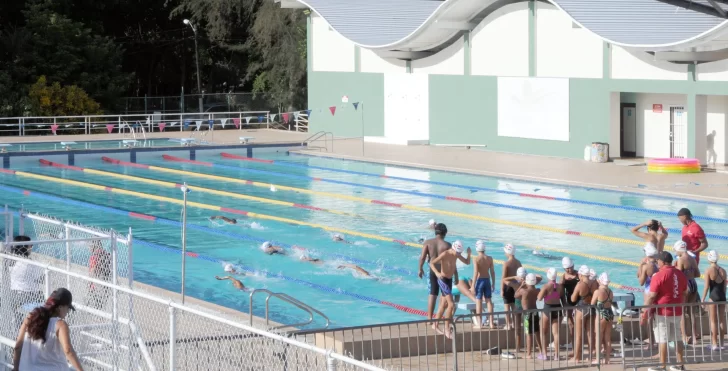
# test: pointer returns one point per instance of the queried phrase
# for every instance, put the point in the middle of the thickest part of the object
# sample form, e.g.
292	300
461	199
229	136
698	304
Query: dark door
628	130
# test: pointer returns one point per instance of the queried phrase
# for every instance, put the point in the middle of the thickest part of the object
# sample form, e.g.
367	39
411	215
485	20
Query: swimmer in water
339	238
230	269
269	249
306	258
355	268
432	224
546	255
236	283
224	219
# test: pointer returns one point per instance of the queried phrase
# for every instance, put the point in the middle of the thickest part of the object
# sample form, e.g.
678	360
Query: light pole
185	191
197	62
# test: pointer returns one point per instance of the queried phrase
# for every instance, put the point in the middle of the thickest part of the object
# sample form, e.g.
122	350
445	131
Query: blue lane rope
431	195
535	182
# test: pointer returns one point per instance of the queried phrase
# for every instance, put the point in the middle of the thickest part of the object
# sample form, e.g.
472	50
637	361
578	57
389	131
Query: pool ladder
317	136
288	299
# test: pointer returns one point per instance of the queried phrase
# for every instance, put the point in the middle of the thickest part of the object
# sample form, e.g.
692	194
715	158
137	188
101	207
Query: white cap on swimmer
650	249
531	279
521	272
566	262
592	274
509	249
680	246
457	246
713	256
228	267
265	245
480	246
584	270
604	279
551	274
432	222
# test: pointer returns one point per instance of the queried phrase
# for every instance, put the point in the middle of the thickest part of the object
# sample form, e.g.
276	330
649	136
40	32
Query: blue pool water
345	298
98	144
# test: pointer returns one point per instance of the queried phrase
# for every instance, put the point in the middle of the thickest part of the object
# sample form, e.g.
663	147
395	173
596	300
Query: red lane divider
61	166
392	204
537	196
6	171
177	159
244	158
142	216
466	200
124	163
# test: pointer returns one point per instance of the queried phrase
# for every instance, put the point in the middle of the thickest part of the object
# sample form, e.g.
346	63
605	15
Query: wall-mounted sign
657	108
345	99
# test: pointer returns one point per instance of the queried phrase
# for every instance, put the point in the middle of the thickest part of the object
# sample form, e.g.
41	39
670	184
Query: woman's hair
654	225
21	250
39	318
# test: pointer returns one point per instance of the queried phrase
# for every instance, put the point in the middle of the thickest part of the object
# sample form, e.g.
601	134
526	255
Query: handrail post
68	255
172	338
115	297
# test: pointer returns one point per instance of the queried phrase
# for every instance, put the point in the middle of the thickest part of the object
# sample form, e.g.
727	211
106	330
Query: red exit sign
657	108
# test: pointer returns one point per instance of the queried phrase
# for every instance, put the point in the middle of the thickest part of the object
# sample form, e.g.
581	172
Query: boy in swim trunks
484	278
430	250
510	268
448	267
528	295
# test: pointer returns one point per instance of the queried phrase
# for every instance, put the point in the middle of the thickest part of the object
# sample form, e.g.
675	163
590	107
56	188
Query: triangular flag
174	124
295	115
162	126
54	127
248	118
273	117
260	119
198	123
186	124
356	105
223	121
136	125
308	112
285	117
210	124
333	110
109	128
236	121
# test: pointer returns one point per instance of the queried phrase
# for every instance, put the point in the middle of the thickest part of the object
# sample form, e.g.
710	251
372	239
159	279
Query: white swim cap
680	246
530	279
566	262
584	270
228	267
650	249
592	274
509	249
604	279
432	222
713	256
480	246
551	274
337	235
265	245
457	246
273	188
521	272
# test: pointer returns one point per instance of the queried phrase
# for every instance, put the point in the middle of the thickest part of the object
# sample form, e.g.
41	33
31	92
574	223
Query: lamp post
185	191
197	62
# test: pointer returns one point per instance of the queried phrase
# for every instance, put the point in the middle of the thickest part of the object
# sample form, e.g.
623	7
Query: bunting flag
356	105
223	122
236	121
285	117
186	124
109	128
248	118
162	126
260	119
54	127
198	123
308	112
210	124
295	115
273	117
174	124
333	110
136	125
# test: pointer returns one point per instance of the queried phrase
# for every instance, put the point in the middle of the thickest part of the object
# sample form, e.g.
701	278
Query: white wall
449	61
499	45
369	61
331	51
718	122
713	71
565	51
406	106
640	65
653	129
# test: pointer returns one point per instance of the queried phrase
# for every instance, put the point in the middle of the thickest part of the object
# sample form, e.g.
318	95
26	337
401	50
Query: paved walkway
614	175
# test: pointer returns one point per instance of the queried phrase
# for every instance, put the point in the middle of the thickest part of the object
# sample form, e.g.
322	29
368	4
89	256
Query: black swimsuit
717	290
569	286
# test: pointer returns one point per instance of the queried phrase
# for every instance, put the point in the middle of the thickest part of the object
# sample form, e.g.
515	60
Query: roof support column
607	61
357	58
408	66
697	126
466	50
531	38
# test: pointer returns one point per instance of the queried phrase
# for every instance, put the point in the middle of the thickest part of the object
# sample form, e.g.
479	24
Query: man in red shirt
668	286
692	233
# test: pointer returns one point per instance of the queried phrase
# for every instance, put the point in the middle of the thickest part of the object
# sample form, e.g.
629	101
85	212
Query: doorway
628	130
678	132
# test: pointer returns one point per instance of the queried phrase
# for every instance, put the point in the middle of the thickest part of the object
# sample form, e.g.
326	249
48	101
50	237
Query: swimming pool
380	213
98	144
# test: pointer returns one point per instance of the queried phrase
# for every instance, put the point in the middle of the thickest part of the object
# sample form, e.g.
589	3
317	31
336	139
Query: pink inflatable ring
667	162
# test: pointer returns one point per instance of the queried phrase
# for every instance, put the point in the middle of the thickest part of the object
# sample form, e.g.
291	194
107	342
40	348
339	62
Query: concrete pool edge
722	201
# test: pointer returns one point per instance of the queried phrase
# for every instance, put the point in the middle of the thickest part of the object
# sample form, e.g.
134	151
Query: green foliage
55	100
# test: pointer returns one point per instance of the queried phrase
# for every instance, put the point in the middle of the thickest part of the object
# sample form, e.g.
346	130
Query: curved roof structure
429	25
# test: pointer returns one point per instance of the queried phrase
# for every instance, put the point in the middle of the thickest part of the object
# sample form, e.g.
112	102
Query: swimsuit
569	286
649	278
605	312
552	295
509	295
445	285
554	314
432	286
692	286
482	288
532	323
717	290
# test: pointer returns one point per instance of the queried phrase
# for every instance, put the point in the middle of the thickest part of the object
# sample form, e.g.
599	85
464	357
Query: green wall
325	89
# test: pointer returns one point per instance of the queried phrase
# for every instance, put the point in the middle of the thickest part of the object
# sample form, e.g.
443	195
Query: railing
317	136
106	124
301	122
288	299
416	345
143	331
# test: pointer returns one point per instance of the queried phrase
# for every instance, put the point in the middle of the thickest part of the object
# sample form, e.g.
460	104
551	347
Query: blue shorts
445	285
483	289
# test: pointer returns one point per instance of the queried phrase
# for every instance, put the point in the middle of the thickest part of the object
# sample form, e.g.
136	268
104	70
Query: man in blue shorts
484	278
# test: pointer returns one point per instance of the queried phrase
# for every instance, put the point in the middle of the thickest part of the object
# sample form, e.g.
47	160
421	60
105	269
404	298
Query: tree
55	100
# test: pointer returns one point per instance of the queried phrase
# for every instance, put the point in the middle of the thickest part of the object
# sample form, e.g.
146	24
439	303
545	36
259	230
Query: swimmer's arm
706	286
636	231
492	273
703	245
504	270
423	256
435	261
465	260
663	231
541	293
539	278
476	271
575	296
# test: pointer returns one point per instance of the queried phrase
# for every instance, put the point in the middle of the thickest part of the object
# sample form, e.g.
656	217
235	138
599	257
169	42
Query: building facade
531	77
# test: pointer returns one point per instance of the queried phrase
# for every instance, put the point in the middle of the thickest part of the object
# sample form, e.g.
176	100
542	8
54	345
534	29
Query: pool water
346	298
98	144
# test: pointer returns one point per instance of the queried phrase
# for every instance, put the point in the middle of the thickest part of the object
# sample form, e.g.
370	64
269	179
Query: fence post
115	297
21	222
68	254
172	338
47	285
330	362
130	259
7	225
454	344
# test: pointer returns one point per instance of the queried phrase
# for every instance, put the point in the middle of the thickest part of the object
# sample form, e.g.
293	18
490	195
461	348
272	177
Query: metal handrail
318	135
291	300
